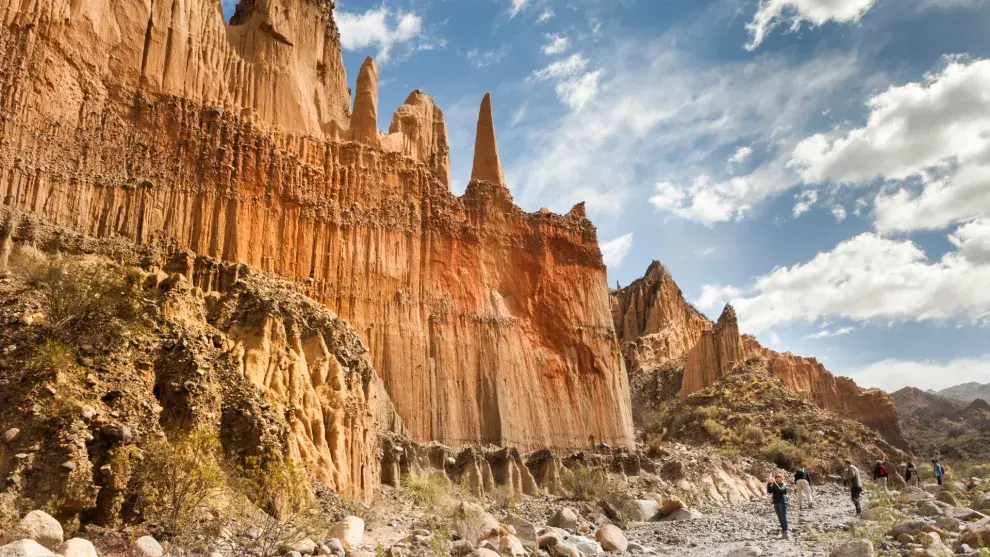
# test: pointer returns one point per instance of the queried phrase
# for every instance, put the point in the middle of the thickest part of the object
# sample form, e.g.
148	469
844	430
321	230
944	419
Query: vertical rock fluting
716	352
487	164
653	320
487	324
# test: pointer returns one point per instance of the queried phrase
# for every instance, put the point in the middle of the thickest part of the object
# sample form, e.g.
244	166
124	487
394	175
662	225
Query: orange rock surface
655	323
161	123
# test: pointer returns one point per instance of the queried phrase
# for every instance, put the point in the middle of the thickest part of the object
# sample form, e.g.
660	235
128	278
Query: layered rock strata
656	324
160	123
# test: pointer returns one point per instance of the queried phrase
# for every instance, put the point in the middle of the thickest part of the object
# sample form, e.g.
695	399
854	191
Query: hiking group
778	489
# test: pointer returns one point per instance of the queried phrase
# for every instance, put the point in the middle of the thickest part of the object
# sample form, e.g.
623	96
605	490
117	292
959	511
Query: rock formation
716	352
159	123
656	324
364	121
653	320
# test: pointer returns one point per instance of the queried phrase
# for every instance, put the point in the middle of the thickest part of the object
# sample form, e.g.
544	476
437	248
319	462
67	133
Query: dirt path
724	530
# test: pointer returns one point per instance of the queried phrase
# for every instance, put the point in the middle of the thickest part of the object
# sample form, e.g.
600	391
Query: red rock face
166	126
654	323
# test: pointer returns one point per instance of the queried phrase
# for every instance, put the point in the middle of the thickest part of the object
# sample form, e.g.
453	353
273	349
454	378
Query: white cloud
373	29
839	212
934	133
487	58
704	252
869	278
544	16
805	201
614	251
519	115
825	333
561	68
740	156
556	44
517	6
774	339
794	13
894	374
656	103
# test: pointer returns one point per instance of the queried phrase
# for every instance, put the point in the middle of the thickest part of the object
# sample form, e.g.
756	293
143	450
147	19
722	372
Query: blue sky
822	164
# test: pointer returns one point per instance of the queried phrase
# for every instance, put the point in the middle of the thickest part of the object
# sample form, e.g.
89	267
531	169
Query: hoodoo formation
656	324
160	123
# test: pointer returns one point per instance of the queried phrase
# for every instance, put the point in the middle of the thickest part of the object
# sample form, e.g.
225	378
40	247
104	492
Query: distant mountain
967	392
935	424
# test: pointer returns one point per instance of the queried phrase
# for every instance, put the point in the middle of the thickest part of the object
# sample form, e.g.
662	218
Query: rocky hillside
937	425
750	411
661	332
160	123
967	392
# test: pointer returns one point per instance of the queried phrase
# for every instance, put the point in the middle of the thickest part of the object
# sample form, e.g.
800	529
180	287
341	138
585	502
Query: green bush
429	490
714	429
783	454
751	435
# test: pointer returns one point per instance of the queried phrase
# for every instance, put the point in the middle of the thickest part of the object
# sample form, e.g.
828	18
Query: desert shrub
429	490
751	435
783	454
594	484
505	498
714	429
83	301
175	480
790	433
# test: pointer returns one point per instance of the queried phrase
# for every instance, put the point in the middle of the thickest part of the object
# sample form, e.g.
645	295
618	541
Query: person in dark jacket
802	485
778	489
911	475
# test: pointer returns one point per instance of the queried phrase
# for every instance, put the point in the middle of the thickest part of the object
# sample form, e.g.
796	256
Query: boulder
949	524
682	514
461	547
148	547
858	548
350	532
670	505
948	498
483	552
473	523
335	547
911	527
304	547
745	551
565	517
584	546
978	534
510	546
78	547
611	538
642	510
38	526
929	508
25	548
524	528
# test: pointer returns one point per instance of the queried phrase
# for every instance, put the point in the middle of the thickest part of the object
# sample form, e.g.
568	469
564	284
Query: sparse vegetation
783	453
430	490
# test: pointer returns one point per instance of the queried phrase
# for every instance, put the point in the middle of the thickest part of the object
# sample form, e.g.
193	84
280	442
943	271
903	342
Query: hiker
938	471
778	489
802	481
851	477
880	476
911	475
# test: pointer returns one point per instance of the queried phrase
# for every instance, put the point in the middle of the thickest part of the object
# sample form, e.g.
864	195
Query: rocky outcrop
487	164
364	121
653	320
161	124
716	352
810	379
655	324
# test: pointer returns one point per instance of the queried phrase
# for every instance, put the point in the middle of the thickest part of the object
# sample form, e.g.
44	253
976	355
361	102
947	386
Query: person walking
778	490
851	477
880	476
911	475
938	471
802	484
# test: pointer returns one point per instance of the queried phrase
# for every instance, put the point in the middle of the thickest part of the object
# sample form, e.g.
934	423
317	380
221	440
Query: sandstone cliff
655	324
653	320
159	123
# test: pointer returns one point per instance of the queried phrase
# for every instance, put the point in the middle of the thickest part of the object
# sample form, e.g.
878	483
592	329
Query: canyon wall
655	323
159	123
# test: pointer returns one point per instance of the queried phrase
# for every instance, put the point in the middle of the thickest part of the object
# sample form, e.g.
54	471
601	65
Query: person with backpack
851	477
938	471
880	476
778	490
911	475
802	483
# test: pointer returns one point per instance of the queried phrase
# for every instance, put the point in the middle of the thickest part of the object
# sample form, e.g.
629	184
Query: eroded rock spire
487	166
364	121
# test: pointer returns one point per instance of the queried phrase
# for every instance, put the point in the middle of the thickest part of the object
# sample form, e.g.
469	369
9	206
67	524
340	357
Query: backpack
883	470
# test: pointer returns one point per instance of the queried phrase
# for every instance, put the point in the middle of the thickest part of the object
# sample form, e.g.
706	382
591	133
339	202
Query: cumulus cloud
740	156
805	201
614	251
556	44
894	374
825	333
932	135
544	16
379	28
795	13
516	7
839	212
869	278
